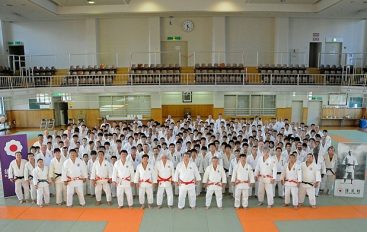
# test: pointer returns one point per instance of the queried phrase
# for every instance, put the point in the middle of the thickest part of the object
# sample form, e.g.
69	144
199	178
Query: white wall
124	36
351	32
85	101
250	35
175	98
51	37
199	40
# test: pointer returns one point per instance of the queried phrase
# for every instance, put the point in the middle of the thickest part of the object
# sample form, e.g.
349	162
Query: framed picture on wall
186	97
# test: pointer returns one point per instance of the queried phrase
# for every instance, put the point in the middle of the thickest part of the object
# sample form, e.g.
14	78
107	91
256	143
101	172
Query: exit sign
15	43
173	38
316	98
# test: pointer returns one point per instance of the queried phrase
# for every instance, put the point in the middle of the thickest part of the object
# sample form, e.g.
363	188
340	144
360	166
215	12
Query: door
313	56
17	59
314	112
297	111
333	52
60	111
64	113
174	52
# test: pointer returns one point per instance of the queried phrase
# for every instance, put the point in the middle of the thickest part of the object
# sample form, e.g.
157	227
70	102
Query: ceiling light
91	1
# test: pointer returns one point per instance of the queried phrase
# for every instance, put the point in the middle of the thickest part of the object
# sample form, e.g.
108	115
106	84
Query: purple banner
9	145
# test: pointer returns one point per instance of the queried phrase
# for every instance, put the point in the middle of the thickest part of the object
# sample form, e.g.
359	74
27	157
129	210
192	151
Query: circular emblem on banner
12	147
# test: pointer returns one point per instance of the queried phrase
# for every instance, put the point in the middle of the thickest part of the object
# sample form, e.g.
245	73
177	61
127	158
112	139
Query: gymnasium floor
333	214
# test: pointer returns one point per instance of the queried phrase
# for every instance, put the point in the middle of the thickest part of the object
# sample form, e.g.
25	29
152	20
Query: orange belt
187	183
291	181
100	178
146	181
215	183
241	182
160	179
72	179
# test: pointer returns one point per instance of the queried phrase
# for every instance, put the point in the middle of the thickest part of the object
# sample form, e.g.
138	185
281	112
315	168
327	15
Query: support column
281	41
3	45
218	100
365	43
91	40
154	40
156	106
219	39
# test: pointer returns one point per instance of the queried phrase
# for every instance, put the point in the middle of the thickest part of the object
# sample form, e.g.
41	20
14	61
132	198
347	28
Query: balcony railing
13	82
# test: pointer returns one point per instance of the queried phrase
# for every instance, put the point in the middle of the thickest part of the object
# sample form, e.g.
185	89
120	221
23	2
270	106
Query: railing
249	111
13	82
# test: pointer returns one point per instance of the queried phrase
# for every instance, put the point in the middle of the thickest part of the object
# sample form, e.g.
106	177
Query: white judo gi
55	172
74	173
28	176
266	171
102	174
242	178
329	178
17	173
165	174
123	175
40	180
215	180
291	177
280	164
145	178
310	175
186	176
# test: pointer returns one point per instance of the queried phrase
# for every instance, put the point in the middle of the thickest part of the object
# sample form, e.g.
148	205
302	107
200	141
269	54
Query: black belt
350	164
19	177
331	170
42	180
278	173
226	170
57	175
309	183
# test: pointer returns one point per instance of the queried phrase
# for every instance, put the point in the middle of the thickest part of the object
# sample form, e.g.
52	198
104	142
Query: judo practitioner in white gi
214	180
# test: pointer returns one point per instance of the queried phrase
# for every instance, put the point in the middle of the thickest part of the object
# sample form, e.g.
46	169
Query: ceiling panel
283	1
85	2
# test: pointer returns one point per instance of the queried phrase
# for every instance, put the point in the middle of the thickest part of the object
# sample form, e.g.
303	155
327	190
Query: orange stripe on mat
260	219
117	219
340	139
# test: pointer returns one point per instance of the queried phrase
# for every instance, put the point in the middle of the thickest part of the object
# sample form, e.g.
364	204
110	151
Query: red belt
72	179
266	176
291	181
128	178
100	178
241	182
187	183
160	179
146	181
215	183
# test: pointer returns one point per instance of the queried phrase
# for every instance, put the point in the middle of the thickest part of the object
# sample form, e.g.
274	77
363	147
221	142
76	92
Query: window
124	106
355	102
43	98
244	105
65	97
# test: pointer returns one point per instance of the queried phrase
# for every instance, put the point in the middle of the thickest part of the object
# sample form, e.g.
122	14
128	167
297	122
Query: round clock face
188	25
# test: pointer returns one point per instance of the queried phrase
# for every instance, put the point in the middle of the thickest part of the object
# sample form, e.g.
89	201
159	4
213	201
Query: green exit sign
316	98
173	38
15	43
